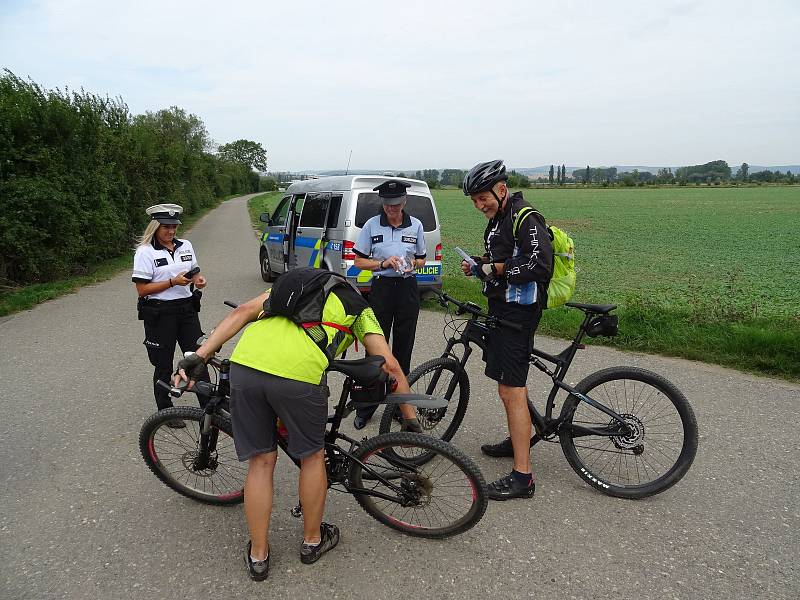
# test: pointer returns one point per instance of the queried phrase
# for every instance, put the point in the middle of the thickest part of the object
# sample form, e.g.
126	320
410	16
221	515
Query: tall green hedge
77	171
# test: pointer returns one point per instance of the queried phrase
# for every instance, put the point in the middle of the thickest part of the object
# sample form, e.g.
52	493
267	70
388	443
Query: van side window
279	216
314	209
333	211
420	207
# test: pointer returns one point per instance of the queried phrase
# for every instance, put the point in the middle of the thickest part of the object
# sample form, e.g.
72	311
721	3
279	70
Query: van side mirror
264	217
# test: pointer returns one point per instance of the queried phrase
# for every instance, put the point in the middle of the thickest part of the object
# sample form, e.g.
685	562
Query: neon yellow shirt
280	347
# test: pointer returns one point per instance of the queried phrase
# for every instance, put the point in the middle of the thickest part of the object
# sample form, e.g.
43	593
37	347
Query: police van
317	223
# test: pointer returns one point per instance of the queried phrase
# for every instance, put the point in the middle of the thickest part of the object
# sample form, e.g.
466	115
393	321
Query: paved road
82	517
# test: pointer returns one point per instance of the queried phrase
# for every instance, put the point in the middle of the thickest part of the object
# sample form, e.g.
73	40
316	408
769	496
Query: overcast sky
439	84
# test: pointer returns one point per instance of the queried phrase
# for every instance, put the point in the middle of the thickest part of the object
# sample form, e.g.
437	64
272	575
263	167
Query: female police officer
166	303
392	245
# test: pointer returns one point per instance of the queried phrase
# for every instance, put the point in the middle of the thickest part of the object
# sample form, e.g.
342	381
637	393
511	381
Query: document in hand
464	256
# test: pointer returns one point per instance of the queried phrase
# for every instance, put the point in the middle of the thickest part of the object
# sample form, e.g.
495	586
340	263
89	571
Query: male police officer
392	245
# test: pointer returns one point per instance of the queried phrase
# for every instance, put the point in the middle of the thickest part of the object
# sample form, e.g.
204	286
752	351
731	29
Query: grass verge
15	299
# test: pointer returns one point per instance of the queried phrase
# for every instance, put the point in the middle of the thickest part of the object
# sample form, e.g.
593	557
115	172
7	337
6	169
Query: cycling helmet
483	176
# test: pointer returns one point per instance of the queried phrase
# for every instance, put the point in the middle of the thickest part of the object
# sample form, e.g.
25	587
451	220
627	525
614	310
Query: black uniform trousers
165	324
395	302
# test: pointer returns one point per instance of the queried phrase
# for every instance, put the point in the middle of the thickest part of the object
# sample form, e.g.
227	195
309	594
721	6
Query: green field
705	273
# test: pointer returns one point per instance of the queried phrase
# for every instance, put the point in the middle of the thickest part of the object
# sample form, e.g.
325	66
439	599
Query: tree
245	152
563	174
742	174
551	173
588	177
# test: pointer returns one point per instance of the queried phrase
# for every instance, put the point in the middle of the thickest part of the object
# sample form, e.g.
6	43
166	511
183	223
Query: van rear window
420	207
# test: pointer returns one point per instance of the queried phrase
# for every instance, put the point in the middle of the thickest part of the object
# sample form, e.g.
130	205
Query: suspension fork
448	353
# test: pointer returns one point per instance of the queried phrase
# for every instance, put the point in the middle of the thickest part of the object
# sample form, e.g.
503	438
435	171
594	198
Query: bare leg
258	501
519	425
313	489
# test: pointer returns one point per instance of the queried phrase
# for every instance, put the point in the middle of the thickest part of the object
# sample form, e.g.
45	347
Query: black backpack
300	295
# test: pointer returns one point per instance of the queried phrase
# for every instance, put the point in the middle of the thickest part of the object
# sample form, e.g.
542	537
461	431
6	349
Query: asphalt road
82	517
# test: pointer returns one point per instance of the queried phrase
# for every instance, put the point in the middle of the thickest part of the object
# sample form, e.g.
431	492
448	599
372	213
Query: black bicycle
626	431
444	497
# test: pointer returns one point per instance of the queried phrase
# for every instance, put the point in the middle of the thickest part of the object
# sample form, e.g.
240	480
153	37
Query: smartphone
191	272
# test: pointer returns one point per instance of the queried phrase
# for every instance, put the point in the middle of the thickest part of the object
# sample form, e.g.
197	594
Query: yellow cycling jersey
280	347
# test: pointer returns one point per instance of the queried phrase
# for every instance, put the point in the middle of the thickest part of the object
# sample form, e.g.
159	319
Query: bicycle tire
635	394
169	453
449	473
434	422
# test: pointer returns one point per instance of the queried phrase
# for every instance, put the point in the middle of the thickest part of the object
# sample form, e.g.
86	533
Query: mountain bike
627	431
444	497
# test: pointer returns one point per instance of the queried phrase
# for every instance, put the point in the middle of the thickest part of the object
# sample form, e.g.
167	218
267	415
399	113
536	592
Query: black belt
165	303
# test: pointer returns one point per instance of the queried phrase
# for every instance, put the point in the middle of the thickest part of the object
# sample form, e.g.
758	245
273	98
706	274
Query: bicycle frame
337	459
476	332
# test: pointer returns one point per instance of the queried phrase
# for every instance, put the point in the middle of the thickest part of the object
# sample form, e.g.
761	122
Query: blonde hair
147	237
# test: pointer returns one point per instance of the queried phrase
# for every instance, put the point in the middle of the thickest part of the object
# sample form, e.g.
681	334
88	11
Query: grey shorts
258	399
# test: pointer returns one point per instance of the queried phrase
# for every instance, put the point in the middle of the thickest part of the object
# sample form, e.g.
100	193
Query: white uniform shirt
154	262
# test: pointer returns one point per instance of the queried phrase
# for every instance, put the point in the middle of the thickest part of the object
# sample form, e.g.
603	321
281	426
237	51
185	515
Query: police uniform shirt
154	262
379	240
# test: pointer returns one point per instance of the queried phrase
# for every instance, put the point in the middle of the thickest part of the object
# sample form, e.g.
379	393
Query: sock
255	560
522	478
313	545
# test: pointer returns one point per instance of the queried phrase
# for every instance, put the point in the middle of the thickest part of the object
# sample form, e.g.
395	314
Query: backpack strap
521	216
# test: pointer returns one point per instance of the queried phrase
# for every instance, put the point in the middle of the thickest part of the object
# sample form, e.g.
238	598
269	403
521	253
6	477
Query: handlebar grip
174	391
231	304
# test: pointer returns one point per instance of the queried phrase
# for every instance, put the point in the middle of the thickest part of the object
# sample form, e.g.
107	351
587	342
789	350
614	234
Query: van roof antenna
347	170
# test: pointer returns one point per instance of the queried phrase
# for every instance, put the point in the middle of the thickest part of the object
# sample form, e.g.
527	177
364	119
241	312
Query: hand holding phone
191	272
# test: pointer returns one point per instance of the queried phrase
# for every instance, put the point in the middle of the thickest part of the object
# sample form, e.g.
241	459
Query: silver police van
318	221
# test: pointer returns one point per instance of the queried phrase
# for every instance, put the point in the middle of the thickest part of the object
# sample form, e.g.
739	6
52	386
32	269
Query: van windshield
369	205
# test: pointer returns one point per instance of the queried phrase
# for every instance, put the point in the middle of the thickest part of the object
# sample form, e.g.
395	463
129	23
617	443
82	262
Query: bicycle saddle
366	371
593	308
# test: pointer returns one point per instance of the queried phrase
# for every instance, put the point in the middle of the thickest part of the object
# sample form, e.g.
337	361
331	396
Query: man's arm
376	345
535	259
226	329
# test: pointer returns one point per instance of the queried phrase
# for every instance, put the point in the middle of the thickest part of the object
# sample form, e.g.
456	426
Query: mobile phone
191	272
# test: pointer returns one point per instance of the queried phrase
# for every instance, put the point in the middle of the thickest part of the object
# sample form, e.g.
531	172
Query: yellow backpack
563	279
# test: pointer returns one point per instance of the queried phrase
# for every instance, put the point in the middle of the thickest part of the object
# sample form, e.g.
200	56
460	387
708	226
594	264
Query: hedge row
77	171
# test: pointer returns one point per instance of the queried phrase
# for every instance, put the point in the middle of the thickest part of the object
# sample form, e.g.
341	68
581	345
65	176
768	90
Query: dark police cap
392	191
166	214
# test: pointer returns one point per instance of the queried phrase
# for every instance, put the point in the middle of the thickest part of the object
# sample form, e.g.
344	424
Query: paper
465	256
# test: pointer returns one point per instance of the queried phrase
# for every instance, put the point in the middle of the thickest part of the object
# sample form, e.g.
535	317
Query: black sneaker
411	425
176	424
329	537
504	448
508	487
259	569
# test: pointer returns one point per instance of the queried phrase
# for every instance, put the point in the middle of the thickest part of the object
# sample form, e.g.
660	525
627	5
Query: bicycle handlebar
475	310
199	387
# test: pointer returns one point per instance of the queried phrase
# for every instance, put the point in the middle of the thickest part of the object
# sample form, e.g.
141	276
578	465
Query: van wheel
266	270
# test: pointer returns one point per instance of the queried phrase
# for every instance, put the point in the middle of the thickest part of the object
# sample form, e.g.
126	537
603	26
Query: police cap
392	191
166	214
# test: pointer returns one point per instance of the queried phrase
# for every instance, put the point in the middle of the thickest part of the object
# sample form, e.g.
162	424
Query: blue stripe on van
306	242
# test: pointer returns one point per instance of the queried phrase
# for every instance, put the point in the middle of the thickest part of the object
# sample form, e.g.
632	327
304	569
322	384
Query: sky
438	84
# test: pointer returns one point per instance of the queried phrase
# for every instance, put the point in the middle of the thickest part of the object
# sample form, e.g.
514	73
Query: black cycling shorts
258	399
508	352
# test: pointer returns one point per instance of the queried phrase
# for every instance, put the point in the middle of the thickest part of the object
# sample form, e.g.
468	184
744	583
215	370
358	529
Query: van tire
266	268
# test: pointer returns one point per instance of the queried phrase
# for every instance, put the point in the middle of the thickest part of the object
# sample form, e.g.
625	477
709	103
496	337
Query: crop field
711	274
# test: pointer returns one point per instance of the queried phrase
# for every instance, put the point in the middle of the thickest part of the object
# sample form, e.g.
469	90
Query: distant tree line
77	171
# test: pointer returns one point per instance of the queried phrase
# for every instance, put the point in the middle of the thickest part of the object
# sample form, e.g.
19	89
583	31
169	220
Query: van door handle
299	232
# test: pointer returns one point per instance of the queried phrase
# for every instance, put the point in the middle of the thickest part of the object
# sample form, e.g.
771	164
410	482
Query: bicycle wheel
444	497
174	456
435	377
660	447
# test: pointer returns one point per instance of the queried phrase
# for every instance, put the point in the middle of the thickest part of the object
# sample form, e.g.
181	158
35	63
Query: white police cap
166	214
